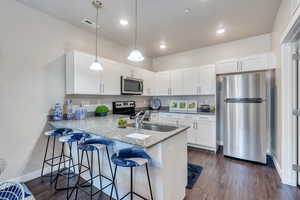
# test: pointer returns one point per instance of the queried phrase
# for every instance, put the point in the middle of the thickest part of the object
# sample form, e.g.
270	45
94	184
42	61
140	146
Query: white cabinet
162	83
254	63
199	81
247	64
202	131
191	81
207	85
176	80
227	66
79	78
110	77
149	86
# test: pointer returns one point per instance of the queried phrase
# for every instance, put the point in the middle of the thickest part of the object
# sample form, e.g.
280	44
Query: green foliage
102	109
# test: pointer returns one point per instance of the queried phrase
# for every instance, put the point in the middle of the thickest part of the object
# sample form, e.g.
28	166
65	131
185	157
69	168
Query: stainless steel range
245	113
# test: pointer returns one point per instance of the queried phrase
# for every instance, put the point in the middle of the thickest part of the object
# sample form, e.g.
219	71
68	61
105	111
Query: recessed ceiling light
162	46
221	31
187	10
123	22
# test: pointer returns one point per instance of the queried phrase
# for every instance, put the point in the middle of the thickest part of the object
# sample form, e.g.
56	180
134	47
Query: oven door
131	86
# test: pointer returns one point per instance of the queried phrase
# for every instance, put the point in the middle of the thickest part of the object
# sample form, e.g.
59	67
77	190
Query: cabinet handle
196	125
100	88
103	87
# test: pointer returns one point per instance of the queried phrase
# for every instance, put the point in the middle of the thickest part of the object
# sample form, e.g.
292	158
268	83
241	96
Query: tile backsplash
203	99
92	101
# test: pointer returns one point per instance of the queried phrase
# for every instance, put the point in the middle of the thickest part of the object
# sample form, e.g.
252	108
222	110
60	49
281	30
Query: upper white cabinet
169	83
79	78
162	83
251	63
227	66
199	81
176	80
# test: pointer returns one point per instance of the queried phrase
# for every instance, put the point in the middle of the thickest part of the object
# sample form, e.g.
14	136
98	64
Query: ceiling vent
88	22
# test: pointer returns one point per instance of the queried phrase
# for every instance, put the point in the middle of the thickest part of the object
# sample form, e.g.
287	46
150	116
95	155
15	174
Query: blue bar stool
131	157
50	161
69	140
94	145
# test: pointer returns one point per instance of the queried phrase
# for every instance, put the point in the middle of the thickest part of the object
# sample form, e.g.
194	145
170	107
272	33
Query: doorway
296	105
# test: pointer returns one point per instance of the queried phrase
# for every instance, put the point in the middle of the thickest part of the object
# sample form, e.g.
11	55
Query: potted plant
101	111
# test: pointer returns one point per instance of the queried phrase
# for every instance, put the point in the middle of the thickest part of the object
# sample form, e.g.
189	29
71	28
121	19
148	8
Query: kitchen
50	57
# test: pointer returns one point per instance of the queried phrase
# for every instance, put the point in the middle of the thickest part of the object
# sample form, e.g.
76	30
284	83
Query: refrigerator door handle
244	100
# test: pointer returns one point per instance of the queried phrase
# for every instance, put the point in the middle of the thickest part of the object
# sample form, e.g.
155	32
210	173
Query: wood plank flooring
222	178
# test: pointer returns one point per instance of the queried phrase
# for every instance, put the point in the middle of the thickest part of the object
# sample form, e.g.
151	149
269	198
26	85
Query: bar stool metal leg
113	182
79	173
111	171
45	156
131	183
147	170
53	151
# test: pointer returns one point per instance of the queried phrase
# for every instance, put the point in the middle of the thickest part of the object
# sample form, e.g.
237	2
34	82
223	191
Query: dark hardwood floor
222	178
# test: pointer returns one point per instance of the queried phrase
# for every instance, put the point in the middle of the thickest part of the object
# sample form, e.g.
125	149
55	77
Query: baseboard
203	147
277	166
32	175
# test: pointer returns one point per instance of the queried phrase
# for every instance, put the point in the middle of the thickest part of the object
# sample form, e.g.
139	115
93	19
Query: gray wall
211	54
32	79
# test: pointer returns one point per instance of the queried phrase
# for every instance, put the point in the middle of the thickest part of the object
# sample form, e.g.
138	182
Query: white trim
202	147
288	153
277	166
32	175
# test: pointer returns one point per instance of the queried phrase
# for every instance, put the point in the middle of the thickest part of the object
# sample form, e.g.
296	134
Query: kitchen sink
154	127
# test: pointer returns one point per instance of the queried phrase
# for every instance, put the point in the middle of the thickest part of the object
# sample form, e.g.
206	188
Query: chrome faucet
138	120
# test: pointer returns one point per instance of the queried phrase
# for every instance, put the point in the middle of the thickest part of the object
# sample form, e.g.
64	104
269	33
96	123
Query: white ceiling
165	20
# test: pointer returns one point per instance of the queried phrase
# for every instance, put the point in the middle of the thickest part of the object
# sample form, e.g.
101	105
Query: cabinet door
191	81
86	81
149	86
111	78
191	132
254	63
227	66
207	78
162	83
176	82
206	133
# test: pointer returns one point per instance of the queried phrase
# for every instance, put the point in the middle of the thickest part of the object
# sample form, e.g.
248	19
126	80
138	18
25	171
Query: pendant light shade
96	65
135	55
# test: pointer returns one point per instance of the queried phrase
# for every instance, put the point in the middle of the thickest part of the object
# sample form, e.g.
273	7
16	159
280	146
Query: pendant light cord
136	24
97	34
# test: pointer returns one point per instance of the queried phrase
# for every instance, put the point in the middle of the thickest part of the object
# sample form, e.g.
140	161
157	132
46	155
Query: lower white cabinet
202	131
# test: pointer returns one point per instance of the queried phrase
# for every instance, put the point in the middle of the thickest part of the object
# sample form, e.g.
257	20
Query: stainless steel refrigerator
245	114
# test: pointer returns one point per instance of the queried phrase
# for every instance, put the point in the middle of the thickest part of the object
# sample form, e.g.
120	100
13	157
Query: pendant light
96	66
135	55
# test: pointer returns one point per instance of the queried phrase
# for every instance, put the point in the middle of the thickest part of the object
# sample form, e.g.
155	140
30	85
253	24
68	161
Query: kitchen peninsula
168	149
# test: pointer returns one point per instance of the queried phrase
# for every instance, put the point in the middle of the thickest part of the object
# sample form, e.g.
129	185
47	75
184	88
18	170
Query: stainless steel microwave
131	86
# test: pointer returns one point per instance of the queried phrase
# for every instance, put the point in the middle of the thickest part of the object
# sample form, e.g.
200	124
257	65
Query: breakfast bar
166	146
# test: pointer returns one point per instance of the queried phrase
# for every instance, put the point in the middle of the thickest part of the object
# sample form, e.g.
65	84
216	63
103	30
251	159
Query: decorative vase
102	114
